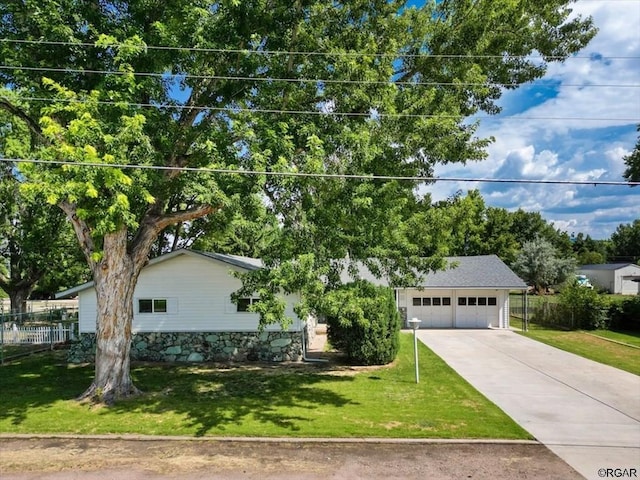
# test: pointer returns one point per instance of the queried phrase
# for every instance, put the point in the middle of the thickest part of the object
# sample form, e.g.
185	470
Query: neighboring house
619	278
183	312
473	293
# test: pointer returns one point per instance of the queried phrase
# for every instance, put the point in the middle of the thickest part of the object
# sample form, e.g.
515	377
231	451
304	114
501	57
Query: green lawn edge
594	345
257	401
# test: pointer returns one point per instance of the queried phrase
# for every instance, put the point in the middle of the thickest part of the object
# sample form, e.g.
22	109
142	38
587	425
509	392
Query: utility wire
316	53
227	171
306	80
372	113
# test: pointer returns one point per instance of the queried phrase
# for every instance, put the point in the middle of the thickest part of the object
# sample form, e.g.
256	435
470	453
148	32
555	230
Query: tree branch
33	126
152	225
82	231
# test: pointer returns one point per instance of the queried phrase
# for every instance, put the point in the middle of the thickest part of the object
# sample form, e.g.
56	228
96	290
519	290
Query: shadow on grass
204	399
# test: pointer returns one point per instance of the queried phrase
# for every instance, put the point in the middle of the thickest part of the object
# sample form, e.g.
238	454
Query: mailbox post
414	323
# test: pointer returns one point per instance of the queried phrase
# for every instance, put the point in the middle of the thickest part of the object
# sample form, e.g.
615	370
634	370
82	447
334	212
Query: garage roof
480	271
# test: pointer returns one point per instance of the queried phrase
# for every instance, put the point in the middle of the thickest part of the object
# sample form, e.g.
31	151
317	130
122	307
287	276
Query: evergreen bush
363	322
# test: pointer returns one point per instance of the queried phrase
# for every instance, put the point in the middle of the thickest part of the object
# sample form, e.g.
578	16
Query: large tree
360	87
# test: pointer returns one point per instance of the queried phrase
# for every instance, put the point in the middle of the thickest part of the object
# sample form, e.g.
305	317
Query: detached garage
619	278
472	293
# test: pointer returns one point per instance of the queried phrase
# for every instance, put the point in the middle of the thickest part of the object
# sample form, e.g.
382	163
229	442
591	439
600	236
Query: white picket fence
37	335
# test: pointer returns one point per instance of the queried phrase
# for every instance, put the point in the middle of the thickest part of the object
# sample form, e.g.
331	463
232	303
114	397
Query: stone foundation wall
201	347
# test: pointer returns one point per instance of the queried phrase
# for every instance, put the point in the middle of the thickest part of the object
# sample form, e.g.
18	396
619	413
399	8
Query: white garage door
476	311
434	311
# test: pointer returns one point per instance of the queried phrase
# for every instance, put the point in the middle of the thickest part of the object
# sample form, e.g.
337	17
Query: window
472	301
446	301
436	301
482	301
462	301
152	305
417	301
245	303
493	301
426	301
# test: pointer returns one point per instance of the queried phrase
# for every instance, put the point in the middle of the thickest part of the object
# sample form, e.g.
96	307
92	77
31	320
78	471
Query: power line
302	80
316	53
227	171
372	113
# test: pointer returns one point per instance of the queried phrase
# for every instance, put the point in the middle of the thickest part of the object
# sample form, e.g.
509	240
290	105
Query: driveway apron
585	412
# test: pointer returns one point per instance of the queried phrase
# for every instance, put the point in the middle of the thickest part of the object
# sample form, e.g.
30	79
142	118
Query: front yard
299	400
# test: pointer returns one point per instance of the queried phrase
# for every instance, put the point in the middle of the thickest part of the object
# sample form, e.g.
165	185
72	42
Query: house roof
246	263
481	271
607	266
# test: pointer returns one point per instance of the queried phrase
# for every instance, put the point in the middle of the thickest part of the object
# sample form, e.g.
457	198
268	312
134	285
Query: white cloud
568	143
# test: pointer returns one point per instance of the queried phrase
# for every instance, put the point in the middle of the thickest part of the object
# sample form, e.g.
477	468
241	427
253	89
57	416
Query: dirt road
120	459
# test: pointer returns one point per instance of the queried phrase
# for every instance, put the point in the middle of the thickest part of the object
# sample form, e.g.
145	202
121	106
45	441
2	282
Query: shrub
363	322
626	315
587	309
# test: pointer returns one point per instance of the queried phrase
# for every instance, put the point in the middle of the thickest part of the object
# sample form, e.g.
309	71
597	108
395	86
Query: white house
619	278
472	293
183	312
183	309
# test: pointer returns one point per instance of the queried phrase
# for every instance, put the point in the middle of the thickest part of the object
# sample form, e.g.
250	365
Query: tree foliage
625	243
540	265
383	89
37	248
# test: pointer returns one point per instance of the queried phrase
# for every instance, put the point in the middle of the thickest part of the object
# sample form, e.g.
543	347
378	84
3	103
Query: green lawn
590	345
307	400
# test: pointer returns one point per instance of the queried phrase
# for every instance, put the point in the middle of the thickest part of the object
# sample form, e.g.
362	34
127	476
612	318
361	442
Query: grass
591	345
296	400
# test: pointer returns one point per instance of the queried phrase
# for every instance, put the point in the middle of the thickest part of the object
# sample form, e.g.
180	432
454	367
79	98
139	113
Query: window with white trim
243	304
152	305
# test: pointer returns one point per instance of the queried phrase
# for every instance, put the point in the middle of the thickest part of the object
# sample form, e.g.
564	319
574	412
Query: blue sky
569	149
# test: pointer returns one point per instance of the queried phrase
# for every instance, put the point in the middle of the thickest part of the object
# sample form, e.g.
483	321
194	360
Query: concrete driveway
585	412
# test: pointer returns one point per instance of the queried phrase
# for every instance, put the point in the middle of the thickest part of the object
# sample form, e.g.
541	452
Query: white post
415	324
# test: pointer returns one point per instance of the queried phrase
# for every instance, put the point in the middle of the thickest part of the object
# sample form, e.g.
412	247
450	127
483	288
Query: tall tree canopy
306	87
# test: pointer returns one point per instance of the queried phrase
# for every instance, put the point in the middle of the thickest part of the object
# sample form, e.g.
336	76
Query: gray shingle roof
477	271
481	271
605	266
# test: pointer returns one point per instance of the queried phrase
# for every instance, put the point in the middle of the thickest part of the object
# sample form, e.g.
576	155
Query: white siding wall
602	279
199	299
614	280
624	283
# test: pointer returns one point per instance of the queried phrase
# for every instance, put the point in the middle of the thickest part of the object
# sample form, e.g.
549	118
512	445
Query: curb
343	440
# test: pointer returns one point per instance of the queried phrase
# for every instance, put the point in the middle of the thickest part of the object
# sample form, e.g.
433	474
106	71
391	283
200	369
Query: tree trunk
115	278
18	298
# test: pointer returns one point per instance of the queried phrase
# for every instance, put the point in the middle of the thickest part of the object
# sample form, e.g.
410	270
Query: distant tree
632	173
465	223
587	250
625	243
527	226
540	265
37	246
499	238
